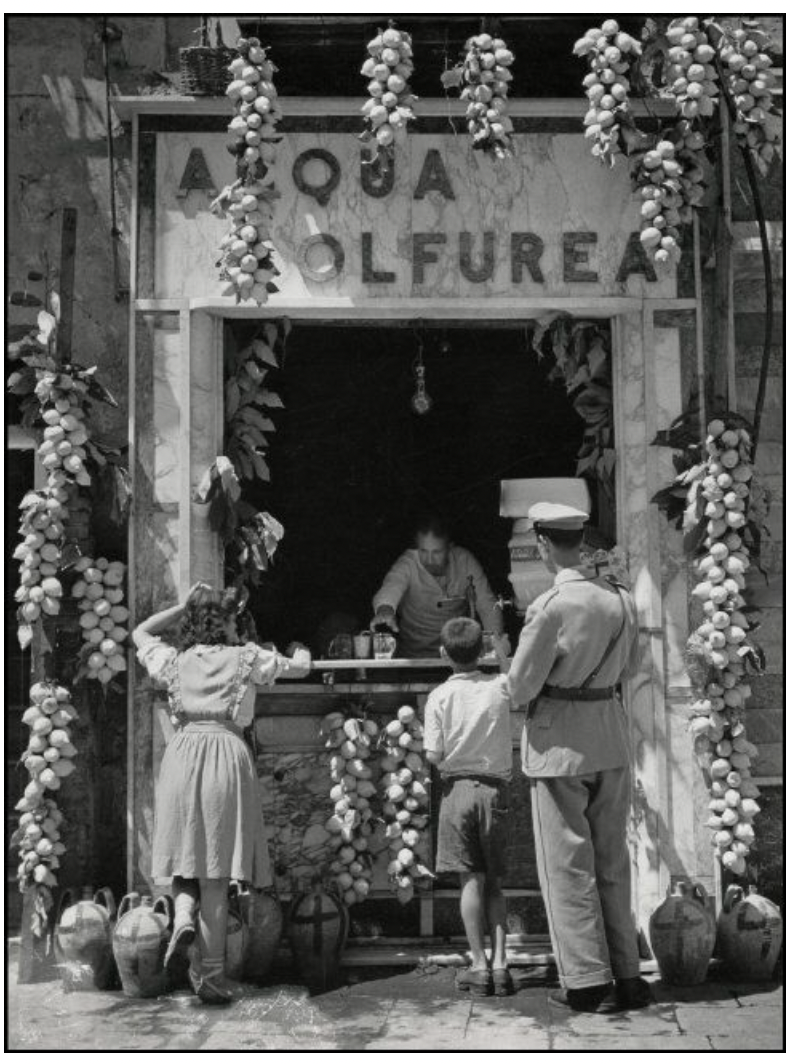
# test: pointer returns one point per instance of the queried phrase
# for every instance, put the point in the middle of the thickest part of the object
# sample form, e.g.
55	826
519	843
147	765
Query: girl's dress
208	822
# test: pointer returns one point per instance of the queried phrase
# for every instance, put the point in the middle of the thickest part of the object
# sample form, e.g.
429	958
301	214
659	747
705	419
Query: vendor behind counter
430	583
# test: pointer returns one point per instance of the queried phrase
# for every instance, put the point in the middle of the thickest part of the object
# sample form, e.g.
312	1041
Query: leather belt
578	694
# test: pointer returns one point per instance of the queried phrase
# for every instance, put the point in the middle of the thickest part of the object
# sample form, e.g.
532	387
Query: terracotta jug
264	919
683	934
236	935
750	934
139	943
83	940
317	928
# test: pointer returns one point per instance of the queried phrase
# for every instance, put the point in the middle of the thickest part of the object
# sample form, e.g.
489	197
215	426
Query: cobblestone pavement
403	1011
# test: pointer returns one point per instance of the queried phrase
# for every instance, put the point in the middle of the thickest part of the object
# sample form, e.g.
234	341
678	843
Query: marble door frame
178	426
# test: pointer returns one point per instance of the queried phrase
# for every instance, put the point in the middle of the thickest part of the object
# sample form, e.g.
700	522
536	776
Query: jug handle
698	891
66	900
164	905
104	896
234	899
732	895
128	901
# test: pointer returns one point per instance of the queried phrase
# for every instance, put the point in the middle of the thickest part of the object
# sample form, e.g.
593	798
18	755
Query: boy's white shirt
467	723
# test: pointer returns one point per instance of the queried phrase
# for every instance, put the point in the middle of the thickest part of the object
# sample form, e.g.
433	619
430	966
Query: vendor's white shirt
414	594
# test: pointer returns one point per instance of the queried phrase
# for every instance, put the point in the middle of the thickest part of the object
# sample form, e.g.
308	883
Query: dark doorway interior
351	462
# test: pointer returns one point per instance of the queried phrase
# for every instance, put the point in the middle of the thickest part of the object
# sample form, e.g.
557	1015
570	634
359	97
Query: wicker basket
204	68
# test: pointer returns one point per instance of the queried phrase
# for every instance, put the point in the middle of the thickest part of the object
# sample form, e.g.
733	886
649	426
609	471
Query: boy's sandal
503	982
475	981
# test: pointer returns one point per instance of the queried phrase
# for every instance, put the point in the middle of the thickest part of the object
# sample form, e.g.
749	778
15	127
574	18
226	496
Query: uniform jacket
566	632
414	594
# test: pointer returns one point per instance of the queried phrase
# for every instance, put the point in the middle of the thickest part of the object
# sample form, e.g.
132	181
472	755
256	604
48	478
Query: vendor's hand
385	616
301	656
293	646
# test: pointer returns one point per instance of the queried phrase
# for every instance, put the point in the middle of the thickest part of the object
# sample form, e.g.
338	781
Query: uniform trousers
585	874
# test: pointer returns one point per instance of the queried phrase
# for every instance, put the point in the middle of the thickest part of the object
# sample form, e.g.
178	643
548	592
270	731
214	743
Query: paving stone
507	1037
657	1020
394	1012
697	1019
748	1040
658	1043
531	1006
750	995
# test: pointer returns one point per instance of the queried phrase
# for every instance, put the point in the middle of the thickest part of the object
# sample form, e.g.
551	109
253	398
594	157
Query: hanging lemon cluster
247	251
390	106
691	77
350	826
405	782
62	398
717	726
666	197
42	530
485	75
62	450
606	86
102	616
49	758
746	55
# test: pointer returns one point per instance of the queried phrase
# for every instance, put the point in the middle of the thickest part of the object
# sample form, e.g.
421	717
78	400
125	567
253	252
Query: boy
467	735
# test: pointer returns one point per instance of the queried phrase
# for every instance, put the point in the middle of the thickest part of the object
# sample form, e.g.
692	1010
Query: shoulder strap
612	644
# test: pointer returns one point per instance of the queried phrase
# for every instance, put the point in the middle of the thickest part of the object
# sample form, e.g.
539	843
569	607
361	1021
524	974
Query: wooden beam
68	256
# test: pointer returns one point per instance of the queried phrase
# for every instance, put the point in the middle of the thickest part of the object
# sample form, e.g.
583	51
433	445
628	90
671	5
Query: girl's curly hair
205	617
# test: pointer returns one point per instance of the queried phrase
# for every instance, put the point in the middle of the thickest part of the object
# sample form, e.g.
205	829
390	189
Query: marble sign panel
550	221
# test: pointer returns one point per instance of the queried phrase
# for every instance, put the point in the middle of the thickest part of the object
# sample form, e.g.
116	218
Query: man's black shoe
633	993
600	999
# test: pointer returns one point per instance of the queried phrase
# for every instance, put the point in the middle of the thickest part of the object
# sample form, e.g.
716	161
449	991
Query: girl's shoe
502	982
475	981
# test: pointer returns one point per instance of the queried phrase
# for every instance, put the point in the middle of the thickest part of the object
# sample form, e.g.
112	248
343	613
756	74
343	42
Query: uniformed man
429	585
578	641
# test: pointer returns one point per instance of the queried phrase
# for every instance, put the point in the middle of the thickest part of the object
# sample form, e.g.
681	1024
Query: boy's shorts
472	834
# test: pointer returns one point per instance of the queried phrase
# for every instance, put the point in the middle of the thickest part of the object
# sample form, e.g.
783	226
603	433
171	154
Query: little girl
208	825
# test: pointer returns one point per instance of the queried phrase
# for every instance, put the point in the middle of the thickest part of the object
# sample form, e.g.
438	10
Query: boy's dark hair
462	639
567	538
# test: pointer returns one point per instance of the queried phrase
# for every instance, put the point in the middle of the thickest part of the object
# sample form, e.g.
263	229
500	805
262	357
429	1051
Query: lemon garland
390	107
247	262
350	740
102	617
697	62
484	76
746	57
55	406
405	782
720	488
